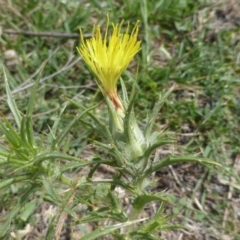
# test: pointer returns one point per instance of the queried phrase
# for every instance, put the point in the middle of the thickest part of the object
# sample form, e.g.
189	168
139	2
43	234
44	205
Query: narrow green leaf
7	182
138	235
49	155
10	134
33	95
128	121
55	197
115	203
157	144
93	169
103	214
29	209
160	210
51	192
28	122
30	133
177	159
104	130
113	151
53	130
4	154
133	89
66	130
152	116
24	136
140	201
125	94
71	166
107	229
11	102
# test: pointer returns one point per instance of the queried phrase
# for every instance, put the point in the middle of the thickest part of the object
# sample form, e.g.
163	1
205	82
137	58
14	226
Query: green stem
65	180
134	213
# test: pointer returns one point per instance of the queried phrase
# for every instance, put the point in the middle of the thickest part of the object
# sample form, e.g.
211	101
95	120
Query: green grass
203	110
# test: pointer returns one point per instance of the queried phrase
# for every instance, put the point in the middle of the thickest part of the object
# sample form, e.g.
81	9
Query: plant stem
66	180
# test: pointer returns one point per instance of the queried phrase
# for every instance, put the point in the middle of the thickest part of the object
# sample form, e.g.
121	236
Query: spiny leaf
154	112
140	201
66	130
177	159
11	102
100	125
10	134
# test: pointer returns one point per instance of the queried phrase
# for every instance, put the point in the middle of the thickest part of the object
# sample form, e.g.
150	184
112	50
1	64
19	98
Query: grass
181	45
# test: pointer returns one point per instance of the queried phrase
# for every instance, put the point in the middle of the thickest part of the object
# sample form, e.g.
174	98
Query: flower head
108	58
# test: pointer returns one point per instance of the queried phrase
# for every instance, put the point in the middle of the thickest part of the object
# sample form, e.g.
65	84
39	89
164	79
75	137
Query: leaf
28	122
66	130
101	127
140	201
128	121
104	214
10	134
29	209
92	170
154	113
113	151
138	235
11	102
53	130
51	192
155	145
124	93
108	229
54	154
7	182
177	159
33	95
56	199
71	166
24	136
115	203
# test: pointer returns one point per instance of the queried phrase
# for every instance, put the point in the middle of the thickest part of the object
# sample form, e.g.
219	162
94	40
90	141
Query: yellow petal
108	57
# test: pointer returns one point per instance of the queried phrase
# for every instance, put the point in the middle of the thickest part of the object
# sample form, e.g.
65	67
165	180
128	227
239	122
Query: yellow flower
108	58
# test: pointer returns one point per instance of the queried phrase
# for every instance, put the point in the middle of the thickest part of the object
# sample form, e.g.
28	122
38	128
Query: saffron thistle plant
32	160
131	149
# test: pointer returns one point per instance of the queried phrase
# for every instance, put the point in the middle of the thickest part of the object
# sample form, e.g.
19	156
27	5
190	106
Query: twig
44	34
